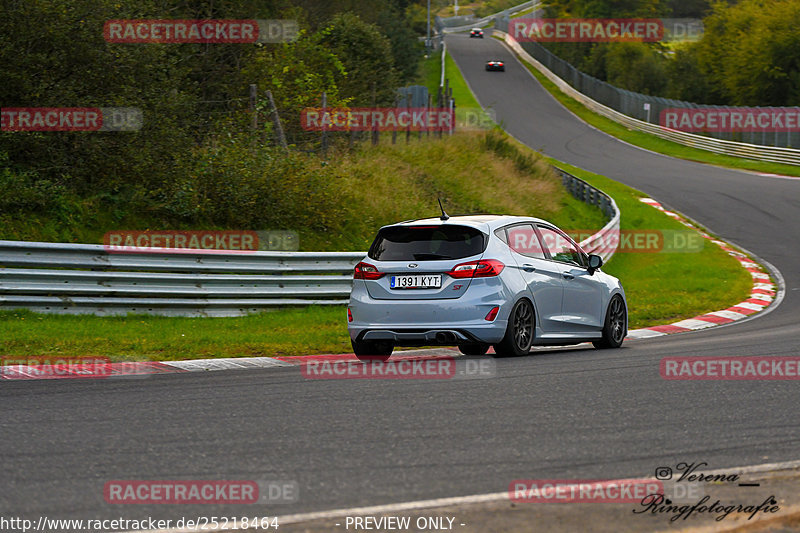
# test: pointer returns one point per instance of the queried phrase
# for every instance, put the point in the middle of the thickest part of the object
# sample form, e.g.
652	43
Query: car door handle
528	268
568	275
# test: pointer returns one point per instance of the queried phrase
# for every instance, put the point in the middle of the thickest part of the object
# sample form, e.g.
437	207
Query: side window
523	240
501	234
561	247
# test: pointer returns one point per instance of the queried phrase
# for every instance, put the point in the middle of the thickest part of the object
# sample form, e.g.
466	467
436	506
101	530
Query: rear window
427	243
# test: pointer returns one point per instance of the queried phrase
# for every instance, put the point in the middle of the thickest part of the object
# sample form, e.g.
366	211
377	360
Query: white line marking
748	305
693	323
733	315
644	333
765	286
229	363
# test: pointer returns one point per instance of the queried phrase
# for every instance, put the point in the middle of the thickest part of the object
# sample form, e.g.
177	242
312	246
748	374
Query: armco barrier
87	279
464	23
599	243
773	154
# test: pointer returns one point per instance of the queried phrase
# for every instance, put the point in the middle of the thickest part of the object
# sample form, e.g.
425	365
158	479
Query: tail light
485	268
349	315
366	271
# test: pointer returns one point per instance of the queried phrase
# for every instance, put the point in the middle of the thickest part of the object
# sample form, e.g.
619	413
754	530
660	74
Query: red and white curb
134	369
762	295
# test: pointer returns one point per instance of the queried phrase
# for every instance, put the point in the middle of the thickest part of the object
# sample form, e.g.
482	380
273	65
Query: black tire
372	350
615	327
519	332
478	348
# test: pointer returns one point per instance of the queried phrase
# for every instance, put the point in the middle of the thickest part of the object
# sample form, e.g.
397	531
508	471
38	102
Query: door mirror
595	262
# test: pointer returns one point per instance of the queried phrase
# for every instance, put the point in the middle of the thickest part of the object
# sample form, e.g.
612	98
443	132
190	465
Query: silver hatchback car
479	281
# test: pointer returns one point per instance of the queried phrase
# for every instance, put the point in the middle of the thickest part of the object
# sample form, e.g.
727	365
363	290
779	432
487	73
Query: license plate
416	281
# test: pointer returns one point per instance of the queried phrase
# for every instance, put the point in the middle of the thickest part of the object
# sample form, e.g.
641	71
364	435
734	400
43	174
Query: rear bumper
429	322
431	337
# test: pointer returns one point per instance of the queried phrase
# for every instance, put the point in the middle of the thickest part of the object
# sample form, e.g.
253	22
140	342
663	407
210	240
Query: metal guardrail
473	23
90	279
602	243
773	154
87	278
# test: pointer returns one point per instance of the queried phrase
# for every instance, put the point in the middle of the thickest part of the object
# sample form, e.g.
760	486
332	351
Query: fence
88	279
774	154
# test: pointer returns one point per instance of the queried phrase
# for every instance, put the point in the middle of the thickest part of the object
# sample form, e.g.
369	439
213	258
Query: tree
366	54
636	67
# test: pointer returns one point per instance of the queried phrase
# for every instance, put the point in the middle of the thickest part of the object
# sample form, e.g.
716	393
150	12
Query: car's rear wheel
473	349
372	350
519	332
616	325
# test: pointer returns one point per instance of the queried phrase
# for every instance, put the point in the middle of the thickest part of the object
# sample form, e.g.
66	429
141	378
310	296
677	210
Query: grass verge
654	143
296	331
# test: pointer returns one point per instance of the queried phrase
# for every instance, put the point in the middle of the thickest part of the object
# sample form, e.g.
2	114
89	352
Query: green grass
430	72
297	331
337	204
383	184
654	143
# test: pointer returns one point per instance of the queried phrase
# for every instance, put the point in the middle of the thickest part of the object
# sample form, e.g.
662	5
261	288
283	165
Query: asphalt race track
563	413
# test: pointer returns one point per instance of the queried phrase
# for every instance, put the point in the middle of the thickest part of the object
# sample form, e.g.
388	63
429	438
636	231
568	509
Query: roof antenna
444	216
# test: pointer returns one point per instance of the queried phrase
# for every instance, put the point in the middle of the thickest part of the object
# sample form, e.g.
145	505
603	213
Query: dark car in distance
495	65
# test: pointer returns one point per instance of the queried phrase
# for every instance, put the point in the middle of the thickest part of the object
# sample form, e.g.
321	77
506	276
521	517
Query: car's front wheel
372	350
519	332
616	325
473	349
